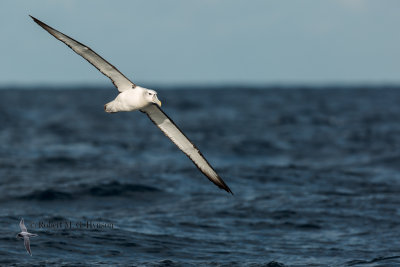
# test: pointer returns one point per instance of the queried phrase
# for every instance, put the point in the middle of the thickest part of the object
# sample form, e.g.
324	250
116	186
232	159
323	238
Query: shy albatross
133	97
25	235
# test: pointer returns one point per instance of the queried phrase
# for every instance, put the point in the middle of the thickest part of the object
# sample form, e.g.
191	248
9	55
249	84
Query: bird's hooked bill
158	102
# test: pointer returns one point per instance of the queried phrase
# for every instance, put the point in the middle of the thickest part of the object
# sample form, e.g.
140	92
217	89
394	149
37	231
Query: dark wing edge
218	181
27	245
54	32
22	225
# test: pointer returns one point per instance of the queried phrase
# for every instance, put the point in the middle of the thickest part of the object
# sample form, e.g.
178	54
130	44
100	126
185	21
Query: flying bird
132	97
25	235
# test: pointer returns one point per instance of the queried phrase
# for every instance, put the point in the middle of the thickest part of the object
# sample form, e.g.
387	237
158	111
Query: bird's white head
151	97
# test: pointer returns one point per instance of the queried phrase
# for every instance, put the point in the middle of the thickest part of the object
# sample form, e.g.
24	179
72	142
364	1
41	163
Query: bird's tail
110	107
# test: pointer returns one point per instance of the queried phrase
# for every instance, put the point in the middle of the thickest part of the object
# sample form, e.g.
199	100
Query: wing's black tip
39	22
229	191
32	17
224	186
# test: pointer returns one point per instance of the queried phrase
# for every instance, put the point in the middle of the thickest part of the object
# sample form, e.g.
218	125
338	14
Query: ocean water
315	175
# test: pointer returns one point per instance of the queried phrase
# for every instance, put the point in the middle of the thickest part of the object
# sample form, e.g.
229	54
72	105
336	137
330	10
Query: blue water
315	176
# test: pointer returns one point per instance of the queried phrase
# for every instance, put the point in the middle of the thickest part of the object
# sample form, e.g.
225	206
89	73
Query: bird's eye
149	93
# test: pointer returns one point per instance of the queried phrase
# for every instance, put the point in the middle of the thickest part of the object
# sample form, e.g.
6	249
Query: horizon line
205	85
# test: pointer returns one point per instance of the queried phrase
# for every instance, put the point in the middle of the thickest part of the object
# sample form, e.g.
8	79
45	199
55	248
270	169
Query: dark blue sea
315	174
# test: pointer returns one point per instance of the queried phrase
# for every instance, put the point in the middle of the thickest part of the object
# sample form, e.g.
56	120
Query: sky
180	42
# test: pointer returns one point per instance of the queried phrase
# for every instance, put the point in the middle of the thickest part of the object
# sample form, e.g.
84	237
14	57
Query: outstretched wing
27	245
22	226
118	79
169	128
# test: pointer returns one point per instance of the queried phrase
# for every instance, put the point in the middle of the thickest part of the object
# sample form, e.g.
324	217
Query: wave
112	188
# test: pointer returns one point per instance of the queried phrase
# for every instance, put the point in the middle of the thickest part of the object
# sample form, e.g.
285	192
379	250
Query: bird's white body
132	99
25	234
